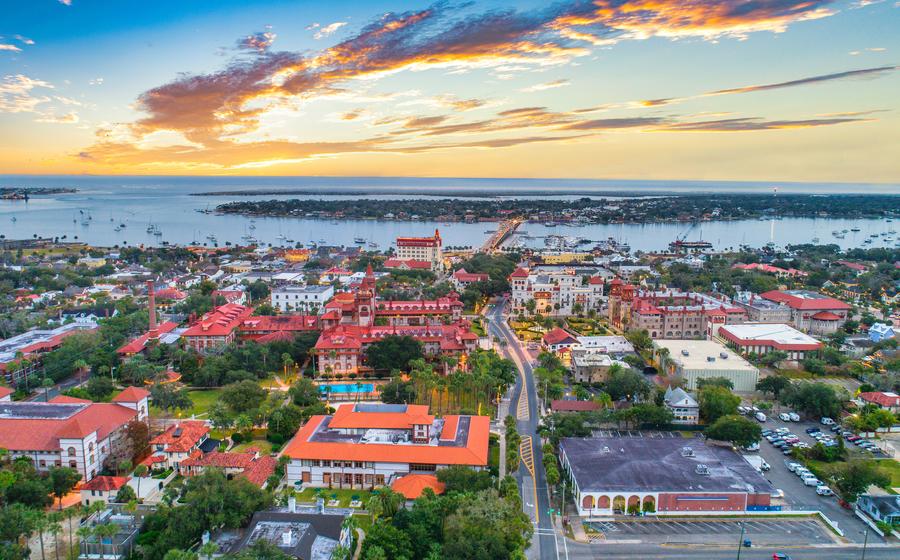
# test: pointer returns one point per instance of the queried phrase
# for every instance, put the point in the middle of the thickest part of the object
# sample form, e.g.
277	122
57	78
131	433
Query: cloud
259	41
330	29
352	115
23	40
96	82
69	118
617	123
864	72
752	124
66	2
212	110
8	47
546	85
17	96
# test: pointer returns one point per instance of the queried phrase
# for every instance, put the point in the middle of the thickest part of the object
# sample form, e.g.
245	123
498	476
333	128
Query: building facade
428	249
762	338
811	312
693	360
301	299
554	291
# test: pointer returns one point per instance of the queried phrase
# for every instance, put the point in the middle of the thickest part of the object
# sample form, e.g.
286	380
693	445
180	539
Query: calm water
166	203
346	388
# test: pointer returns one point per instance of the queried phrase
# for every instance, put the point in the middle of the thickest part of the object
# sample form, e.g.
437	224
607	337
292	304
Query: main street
550	544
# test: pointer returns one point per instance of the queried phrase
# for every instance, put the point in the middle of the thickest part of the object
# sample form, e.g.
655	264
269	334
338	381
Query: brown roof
573	406
260	470
132	395
190	432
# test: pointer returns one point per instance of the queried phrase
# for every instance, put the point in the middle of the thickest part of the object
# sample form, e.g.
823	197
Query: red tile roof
169	294
573	406
132	395
43	434
826	316
266	324
557	336
220	460
137	344
407	263
5	392
192	431
260	470
222	321
105	483
465	276
519	273
65	399
796	301
882	399
412	485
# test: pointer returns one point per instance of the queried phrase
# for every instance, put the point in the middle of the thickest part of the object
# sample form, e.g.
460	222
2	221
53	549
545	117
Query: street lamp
865	544
740	541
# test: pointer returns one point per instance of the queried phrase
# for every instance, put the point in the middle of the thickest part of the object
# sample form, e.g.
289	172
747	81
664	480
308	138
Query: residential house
685	408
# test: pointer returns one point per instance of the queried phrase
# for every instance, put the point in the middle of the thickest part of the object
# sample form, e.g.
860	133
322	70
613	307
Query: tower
365	299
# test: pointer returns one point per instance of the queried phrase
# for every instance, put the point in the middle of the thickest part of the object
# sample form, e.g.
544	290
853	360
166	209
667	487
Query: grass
893	468
586	326
263	445
203	400
343	495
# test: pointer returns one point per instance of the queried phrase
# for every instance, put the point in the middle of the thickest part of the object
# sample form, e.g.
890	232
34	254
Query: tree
397	391
167	397
715	382
773	384
716	402
646	414
99	388
210	548
626	383
304	392
243	396
463	479
494	526
814	366
284	422
219	416
815	399
140	472
125	494
384	541
771	359
61	481
393	352
739	430
854	477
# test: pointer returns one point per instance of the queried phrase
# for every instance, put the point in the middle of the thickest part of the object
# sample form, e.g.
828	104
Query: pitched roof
351	416
804	300
181	437
220	460
464	275
137	344
825	316
66	399
519	273
105	483
260	470
881	398
42	431
221	321
557	336
407	263
564	405
131	395
5	392
412	485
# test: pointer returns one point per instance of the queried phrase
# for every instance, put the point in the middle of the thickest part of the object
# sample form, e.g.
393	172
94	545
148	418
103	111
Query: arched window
71	452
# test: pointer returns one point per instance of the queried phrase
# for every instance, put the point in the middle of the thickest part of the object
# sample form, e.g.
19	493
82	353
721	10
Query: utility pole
740	541
865	544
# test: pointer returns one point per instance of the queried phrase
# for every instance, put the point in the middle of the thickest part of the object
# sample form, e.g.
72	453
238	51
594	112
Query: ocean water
103	203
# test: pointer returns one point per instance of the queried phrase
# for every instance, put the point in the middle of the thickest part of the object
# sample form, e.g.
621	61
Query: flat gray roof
642	464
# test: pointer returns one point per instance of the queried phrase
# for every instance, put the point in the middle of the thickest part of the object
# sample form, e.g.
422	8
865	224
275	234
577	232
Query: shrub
237	437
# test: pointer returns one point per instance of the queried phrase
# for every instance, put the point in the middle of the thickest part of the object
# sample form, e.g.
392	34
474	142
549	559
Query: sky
757	90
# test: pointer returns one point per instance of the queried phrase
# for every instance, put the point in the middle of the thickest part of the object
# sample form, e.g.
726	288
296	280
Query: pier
504	230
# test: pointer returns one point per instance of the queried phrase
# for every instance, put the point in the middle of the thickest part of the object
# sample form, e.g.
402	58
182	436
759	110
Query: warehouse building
705	359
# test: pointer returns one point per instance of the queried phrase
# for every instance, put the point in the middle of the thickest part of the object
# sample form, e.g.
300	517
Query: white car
760	417
827	421
794	417
792	466
784	417
823	490
778	493
812	481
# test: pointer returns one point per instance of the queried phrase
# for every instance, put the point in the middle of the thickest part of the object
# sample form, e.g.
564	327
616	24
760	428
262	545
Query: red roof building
368	445
259	326
6	394
769	269
462	279
413	485
102	489
887	401
564	405
139	344
248	464
762	338
178	442
427	249
407	264
557	339
216	328
811	312
67	431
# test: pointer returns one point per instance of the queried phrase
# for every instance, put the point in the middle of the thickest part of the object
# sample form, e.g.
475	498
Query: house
302	299
249	464
615	475
591	367
762	338
881	331
884	400
462	279
102	489
557	339
569	405
372	445
216	328
884	509
685	409
69	432
6	394
411	486
230	296
176	444
407	264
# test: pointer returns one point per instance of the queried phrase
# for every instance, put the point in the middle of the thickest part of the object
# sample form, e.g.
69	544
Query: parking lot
761	532
798	496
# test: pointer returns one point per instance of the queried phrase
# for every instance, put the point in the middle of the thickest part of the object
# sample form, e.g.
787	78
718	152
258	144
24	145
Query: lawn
586	326
264	446
203	400
893	468
344	495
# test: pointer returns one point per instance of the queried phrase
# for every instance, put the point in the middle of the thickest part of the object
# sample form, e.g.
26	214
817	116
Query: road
547	542
550	544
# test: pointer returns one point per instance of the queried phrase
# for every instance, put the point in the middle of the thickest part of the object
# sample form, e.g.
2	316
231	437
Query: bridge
504	230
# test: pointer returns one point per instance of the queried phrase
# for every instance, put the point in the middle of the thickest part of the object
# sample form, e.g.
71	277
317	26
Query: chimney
151	296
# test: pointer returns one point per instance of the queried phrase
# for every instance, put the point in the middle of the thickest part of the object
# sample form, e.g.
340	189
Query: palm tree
390	501
41	523
139	472
243	423
70	513
47	384
54	527
80	367
374	506
85	533
107	531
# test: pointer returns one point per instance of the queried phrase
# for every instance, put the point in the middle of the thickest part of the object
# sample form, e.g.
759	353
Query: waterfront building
762	338
693	360
372	445
304	299
811	312
671	314
70	432
427	249
555	291
618	475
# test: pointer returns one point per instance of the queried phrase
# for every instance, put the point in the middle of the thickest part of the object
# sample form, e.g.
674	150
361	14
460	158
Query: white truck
757	463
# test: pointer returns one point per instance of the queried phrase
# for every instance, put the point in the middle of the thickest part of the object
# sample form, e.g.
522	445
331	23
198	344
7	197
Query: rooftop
299	535
657	465
703	354
783	337
805	300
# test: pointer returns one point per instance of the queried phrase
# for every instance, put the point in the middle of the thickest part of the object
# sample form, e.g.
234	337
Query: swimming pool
344	388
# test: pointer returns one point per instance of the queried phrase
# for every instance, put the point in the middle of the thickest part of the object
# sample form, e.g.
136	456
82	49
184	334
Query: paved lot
764	531
798	496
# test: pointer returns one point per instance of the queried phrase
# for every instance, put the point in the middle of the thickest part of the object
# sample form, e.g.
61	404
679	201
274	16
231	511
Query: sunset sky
789	90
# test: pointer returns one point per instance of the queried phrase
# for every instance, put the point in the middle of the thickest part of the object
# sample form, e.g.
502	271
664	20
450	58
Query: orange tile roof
65	399
412	485
131	395
192	431
474	453
451	424
221	321
345	417
260	470
5	392
105	483
220	460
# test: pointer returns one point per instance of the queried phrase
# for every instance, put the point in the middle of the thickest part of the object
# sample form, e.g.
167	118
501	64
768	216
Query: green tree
304	392
99	388
626	383
854	477
715	382
61	481
243	396
716	401
394	352
739	430
167	397
815	399
125	494
773	384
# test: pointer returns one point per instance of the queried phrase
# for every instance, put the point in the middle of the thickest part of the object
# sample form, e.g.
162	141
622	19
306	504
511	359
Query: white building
705	359
762	338
425	249
302	299
555	291
685	409
69	432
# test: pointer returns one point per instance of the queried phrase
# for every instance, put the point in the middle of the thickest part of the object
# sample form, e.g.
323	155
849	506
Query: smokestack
151	296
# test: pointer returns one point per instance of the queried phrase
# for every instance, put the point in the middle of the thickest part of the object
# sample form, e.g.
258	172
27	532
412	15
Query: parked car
780	556
853	438
760	417
784	417
778	493
827	421
792	466
812	481
812	430
824	491
794	417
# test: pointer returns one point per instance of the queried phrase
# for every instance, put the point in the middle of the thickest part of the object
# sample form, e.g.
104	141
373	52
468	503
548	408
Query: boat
550	224
373	245
359	240
855	229
323	241
14	219
117	228
681	245
815	239
157	233
281	236
252	226
122	226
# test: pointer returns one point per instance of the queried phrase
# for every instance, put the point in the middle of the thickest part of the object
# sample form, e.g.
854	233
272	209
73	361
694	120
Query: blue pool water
343	388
